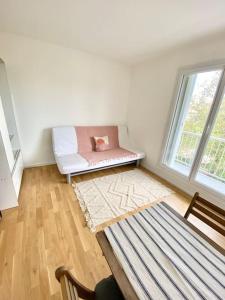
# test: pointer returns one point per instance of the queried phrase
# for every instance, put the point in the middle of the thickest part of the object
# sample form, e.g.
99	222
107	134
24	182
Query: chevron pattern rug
106	198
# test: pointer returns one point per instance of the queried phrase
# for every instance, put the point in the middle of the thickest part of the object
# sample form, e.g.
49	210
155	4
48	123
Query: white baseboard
184	185
178	182
40	164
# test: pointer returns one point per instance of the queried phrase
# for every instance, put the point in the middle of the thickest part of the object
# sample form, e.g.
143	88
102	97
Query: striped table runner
164	258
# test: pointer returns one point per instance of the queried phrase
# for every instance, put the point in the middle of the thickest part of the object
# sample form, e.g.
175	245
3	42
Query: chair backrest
69	292
207	212
71	288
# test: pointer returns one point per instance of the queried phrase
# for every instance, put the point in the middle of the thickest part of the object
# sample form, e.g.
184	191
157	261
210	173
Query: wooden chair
207	212
72	289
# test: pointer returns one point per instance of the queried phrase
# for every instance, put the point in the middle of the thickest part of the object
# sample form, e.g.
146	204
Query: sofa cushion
76	163
71	163
96	157
101	143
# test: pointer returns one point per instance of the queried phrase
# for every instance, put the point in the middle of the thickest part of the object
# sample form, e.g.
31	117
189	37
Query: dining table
157	254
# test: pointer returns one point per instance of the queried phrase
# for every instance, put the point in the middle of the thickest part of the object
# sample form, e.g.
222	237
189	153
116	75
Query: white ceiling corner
125	30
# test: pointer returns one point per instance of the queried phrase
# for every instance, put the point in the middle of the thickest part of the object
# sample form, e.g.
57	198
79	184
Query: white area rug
108	197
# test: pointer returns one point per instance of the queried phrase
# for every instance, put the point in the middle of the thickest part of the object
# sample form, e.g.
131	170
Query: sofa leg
138	163
68	178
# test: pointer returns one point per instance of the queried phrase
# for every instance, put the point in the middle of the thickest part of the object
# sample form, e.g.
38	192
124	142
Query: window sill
179	173
211	183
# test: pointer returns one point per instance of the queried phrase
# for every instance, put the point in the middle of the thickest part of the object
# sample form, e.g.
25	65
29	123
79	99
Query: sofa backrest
64	138
124	139
85	136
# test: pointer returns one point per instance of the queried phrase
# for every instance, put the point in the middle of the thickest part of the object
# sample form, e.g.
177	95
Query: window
196	142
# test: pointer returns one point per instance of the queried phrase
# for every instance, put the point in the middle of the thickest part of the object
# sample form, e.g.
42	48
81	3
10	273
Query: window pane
197	95
212	167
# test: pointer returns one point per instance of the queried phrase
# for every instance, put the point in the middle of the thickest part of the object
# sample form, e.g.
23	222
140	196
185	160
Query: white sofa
70	162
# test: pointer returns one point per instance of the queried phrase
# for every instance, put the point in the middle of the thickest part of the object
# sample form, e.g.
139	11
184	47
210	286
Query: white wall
152	89
55	86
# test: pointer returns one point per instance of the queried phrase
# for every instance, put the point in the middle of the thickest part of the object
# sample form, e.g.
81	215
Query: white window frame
174	116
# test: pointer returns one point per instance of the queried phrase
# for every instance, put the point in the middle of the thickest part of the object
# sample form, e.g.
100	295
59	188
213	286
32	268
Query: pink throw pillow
101	143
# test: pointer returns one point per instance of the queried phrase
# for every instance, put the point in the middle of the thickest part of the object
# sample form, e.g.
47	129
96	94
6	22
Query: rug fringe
84	209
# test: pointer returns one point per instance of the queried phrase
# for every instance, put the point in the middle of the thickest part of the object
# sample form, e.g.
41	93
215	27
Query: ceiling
125	30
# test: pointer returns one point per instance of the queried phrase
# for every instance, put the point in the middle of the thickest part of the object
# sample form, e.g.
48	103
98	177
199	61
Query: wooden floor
48	230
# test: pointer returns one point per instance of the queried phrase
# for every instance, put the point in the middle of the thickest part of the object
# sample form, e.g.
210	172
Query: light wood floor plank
48	230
